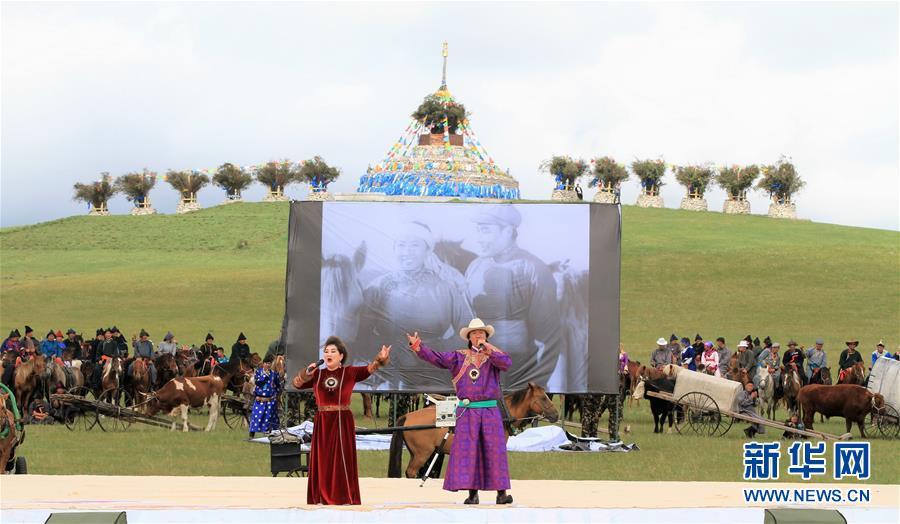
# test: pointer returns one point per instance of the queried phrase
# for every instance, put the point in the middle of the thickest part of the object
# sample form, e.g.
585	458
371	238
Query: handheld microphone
481	347
317	364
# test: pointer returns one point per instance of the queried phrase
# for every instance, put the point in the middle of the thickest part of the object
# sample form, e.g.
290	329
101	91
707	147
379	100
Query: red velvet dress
333	475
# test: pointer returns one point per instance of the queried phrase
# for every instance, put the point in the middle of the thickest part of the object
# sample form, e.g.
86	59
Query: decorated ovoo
439	155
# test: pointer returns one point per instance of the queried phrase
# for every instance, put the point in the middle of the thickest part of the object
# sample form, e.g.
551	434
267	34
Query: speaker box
804	516
96	517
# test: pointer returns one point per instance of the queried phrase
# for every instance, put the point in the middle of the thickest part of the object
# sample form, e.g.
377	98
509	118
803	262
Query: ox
843	400
182	393
661	409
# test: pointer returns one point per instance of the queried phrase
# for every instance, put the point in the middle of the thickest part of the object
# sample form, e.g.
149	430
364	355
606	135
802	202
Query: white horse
766	391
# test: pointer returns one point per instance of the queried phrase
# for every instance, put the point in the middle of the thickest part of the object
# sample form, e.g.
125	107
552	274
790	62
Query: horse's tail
395	455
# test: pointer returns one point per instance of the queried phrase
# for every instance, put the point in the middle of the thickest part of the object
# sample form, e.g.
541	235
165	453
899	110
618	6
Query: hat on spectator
852	341
210	337
50	333
71	331
820	341
144	333
169	336
743	344
661	341
698	338
673	338
880	343
241	337
776	344
28	330
792	342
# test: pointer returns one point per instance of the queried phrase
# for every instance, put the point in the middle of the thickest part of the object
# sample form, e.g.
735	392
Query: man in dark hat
29	340
687	354
206	354
240	349
794	356
121	343
143	349
724	354
850	356
11	343
72	344
97	343
757	347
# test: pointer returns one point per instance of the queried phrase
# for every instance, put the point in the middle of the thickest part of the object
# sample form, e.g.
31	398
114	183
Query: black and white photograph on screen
395	268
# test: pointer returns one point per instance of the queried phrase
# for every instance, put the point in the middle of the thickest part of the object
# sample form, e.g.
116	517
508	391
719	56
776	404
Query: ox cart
114	412
709	406
885	380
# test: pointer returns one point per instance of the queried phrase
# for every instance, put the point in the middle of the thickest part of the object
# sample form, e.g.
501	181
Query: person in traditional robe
794	355
849	357
143	348
687	354
724	353
29	341
240	350
333	473
267	386
478	454
745	358
710	359
879	352
661	355
206	355
420	293
121	343
747	401
515	291
168	346
816	359
73	342
769	358
49	348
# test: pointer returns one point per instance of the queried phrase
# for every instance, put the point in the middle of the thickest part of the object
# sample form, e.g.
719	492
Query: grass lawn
144	450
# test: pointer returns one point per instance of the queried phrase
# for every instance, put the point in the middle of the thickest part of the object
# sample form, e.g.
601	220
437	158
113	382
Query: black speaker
95	517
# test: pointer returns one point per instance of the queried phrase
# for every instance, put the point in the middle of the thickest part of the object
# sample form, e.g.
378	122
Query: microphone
317	364
480	347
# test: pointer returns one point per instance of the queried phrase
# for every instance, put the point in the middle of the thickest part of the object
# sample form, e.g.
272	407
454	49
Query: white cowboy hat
475	325
661	342
743	344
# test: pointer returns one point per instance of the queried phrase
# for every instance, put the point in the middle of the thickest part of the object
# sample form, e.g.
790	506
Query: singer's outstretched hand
414	341
384	353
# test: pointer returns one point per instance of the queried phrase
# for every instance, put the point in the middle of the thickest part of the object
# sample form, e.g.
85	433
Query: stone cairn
143	208
319	195
276	195
606	194
564	195
187	204
785	209
737	205
650	198
694	202
231	199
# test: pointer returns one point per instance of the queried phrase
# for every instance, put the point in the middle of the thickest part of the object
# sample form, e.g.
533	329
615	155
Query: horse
734	368
853	375
235	373
166	369
791	384
661	409
9	439
851	401
139	384
111	380
185	360
766	392
821	376
26	379
524	406
69	377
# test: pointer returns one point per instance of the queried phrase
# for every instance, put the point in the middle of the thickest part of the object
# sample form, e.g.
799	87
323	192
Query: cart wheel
889	422
21	466
701	415
79	417
234	414
119	399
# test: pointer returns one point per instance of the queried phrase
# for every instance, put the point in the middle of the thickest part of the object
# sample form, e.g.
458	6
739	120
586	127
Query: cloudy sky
112	87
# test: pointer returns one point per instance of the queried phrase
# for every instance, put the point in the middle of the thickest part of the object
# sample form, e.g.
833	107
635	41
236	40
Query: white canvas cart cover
722	390
885	379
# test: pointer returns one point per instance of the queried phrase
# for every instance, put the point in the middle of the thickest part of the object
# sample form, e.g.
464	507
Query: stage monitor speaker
94	517
804	516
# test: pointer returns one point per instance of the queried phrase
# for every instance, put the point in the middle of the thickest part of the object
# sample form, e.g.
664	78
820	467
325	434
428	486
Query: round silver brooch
331	382
474	373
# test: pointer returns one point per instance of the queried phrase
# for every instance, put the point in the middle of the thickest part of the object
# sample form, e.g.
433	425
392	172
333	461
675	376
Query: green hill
222	270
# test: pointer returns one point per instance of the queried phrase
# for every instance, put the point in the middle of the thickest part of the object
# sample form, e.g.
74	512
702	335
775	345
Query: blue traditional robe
265	412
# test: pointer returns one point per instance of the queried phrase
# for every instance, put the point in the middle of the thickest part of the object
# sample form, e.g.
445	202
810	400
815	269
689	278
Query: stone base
232	200
736	207
605	197
140	211
564	195
694	204
783	211
319	196
94	212
650	201
187	207
275	198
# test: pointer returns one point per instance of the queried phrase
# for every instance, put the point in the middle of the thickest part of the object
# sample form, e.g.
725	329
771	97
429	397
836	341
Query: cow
182	393
660	408
850	401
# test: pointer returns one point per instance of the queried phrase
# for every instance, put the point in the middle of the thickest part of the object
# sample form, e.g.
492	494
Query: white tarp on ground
539	439
885	379
722	390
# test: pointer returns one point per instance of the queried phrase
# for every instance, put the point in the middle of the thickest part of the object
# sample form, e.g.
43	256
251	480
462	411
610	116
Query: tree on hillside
694	178
317	173
233	179
436	113
737	180
96	194
136	187
781	180
188	183
276	175
607	174
565	170
650	172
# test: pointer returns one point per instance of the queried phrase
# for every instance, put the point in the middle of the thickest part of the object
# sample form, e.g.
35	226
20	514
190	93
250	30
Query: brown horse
791	384
853	375
26	380
70	378
166	369
523	406
139	384
8	436
111	379
185	360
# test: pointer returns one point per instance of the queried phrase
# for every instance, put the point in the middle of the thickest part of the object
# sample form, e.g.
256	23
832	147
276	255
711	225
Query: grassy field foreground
143	450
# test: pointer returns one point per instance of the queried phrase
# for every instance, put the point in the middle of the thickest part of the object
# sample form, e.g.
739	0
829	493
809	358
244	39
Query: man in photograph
515	291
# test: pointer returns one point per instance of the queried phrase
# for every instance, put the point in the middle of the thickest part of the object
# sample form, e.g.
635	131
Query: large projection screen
546	276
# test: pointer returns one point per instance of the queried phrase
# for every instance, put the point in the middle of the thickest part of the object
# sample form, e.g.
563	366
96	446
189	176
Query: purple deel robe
478	453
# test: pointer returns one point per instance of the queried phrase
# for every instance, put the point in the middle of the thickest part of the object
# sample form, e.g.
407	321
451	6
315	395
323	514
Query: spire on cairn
444	76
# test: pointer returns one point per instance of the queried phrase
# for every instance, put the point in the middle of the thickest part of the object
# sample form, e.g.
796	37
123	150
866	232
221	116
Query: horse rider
478	454
816	359
769	357
661	355
794	357
143	349
849	357
207	355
